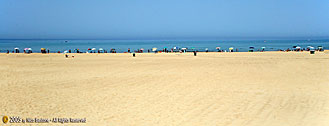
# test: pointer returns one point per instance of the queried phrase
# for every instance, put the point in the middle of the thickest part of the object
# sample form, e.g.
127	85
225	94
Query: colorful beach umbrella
142	49
26	49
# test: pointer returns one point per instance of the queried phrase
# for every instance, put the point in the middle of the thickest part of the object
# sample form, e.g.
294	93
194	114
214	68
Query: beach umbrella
231	48
142	49
175	47
65	51
100	49
93	49
184	48
263	47
251	47
154	49
297	47
206	49
26	49
312	48
217	47
43	49
16	48
29	49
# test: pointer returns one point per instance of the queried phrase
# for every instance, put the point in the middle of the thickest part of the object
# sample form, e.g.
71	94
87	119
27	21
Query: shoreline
325	51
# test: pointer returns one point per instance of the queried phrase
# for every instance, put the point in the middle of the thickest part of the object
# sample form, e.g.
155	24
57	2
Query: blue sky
162	19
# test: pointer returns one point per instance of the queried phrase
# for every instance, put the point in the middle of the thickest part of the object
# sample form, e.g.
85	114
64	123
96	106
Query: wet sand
222	89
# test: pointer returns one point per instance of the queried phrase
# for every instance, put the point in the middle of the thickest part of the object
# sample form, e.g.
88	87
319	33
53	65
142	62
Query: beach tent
113	50
231	49
263	48
28	50
184	49
218	48
296	48
16	50
320	48
251	49
43	50
100	50
312	50
93	50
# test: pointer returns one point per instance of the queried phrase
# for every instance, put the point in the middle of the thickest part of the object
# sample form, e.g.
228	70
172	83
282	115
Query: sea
123	45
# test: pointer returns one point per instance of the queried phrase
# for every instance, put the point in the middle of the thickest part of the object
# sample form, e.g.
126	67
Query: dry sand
211	89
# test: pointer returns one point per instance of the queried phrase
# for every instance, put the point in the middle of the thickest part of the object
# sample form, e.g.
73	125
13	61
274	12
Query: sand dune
211	89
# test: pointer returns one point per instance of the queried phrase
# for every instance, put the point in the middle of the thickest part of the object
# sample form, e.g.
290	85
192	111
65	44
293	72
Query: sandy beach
211	89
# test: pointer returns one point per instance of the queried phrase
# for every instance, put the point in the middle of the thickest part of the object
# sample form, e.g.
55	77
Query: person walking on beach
194	53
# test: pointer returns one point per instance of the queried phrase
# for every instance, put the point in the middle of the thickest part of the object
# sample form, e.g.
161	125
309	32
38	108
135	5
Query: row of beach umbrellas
24	48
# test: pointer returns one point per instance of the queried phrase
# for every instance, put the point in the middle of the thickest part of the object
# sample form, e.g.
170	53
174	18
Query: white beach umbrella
93	49
26	49
142	48
206	49
175	47
29	49
184	48
65	51
297	47
16	48
154	49
101	49
263	47
312	48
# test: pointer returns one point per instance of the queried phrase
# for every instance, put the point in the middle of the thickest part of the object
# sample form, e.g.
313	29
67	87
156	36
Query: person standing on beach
128	50
194	53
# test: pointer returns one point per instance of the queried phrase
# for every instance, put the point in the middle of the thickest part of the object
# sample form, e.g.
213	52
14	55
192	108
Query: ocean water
123	45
